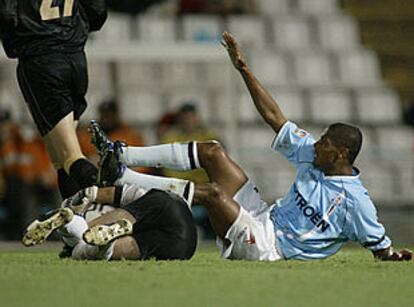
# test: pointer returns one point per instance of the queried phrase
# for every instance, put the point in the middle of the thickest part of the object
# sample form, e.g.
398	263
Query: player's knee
210	152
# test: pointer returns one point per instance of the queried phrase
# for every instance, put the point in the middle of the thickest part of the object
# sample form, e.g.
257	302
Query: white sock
73	231
177	156
84	251
148	182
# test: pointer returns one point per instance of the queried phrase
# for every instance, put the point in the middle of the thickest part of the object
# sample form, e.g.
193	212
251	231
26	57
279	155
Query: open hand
229	42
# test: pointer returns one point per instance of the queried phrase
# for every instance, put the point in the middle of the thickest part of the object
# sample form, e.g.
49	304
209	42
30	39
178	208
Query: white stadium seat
292	33
271	68
117	28
359	68
395	141
318	7
248	30
313	69
378	178
247	111
290	102
155	29
338	33
378	106
274	7
201	28
140	106
330	105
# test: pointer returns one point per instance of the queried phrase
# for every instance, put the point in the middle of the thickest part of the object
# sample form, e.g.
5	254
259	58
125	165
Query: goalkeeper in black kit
48	39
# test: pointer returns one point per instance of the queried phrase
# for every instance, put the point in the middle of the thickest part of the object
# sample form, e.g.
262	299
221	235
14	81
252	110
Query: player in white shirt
326	206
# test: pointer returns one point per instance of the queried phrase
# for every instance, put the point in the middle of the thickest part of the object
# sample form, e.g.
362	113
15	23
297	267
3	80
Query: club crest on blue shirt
300	132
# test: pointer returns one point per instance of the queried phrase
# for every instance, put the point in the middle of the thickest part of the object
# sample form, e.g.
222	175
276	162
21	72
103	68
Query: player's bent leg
222	209
63	145
126	248
220	168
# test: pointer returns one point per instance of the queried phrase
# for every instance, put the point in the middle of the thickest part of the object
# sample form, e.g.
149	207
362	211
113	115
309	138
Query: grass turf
350	278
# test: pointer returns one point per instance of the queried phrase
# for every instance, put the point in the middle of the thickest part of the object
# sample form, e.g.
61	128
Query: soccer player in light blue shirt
325	207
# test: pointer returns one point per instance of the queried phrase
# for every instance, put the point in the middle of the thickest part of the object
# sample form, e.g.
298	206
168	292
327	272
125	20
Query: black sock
67	186
84	173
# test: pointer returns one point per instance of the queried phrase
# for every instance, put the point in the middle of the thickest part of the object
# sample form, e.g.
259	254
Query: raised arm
265	104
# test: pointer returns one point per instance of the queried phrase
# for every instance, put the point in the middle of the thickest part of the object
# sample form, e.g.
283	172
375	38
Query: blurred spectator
222	7
111	122
165	123
187	127
29	178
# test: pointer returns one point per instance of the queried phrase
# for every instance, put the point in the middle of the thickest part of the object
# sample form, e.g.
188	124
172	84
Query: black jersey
36	27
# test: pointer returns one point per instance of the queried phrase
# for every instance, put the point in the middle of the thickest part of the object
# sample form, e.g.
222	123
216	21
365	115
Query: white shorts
252	235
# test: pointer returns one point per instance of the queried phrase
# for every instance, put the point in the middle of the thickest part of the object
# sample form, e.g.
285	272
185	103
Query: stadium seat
138	106
155	29
292	33
291	103
271	69
318	7
380	179
359	68
274	7
313	69
247	111
181	74
249	30
378	106
201	28
137	74
338	33
10	96
117	28
405	168
256	140
395	141
328	106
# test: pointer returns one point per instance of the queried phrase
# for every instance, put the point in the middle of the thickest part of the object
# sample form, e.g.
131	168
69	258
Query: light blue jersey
320	213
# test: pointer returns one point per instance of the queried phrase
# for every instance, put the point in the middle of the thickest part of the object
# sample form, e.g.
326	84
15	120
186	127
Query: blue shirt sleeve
294	144
363	226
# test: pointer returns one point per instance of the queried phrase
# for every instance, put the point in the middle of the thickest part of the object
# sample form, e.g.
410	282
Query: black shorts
164	227
53	85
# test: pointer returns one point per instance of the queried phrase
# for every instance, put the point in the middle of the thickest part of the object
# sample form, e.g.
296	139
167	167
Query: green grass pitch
351	278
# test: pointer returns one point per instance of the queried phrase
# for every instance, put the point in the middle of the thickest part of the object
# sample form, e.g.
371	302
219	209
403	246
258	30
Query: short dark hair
345	135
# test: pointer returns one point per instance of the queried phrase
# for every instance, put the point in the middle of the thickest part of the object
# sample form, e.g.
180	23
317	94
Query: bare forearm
106	195
264	102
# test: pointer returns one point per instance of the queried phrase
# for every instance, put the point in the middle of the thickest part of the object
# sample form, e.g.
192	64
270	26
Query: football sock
67	186
177	156
73	231
68	163
84	251
148	182
84	173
